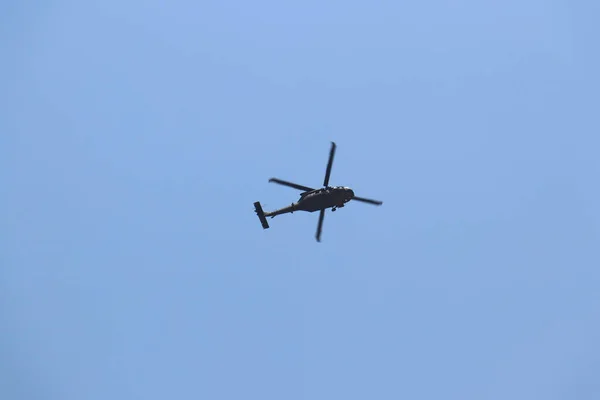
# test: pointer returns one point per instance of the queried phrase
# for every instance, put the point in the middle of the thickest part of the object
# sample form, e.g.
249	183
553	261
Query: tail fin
261	215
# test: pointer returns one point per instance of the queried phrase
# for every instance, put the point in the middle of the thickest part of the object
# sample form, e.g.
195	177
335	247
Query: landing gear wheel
333	209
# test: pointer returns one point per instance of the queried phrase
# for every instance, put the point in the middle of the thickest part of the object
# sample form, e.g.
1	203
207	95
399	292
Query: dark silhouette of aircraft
312	200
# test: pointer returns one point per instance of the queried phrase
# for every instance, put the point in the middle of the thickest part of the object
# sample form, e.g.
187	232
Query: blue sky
137	135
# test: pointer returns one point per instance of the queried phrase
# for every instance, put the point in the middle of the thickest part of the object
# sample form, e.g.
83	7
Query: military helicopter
312	200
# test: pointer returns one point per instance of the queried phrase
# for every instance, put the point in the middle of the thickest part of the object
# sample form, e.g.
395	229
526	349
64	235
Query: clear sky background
136	136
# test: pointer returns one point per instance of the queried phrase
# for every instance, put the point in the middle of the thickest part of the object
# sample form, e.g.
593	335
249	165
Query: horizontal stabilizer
261	215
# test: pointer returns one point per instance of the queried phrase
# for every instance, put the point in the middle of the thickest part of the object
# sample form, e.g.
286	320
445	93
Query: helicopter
312	200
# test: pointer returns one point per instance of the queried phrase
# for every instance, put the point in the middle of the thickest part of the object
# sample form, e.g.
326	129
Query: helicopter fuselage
318	199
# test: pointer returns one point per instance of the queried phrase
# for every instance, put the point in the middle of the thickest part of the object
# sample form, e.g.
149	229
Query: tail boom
284	210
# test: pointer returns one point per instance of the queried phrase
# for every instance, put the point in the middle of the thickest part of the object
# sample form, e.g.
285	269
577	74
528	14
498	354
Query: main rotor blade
320	225
370	201
290	184
329	164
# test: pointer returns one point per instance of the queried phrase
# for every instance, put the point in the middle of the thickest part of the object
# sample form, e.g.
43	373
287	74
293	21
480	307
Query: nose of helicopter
349	193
